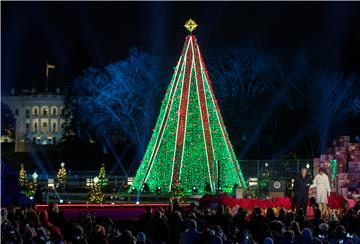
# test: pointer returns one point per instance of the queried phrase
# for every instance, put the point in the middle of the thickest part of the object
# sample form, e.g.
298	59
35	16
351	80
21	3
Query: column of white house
49	123
20	120
60	129
38	123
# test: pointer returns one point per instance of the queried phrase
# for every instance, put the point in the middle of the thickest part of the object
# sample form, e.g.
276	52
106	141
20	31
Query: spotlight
31	198
137	202
266	165
307	166
69	202
207	187
112	203
61	201
220	189
145	188
194	189
158	190
133	190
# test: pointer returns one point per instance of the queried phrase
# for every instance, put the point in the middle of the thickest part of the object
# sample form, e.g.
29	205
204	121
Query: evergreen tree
61	176
32	185
189	136
250	191
177	193
103	181
23	178
96	195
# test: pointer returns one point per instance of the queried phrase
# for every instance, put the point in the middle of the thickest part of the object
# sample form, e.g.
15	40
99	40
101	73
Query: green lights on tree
189	136
103	181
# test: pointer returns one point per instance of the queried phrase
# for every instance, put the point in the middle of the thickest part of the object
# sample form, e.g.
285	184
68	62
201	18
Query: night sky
36	33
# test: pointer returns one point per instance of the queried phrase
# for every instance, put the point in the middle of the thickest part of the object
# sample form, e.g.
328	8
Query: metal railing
259	169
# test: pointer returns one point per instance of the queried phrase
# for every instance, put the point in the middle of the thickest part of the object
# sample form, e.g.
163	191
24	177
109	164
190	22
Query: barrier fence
260	171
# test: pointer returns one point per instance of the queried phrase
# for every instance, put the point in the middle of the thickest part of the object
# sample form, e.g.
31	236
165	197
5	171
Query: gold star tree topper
190	25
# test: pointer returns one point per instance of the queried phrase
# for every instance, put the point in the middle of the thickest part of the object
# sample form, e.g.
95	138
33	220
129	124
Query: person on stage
302	183
322	184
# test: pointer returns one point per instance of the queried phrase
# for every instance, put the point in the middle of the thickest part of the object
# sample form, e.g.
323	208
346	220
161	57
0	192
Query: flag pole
47	77
48	66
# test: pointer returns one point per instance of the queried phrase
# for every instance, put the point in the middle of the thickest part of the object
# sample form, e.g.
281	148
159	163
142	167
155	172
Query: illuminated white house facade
38	117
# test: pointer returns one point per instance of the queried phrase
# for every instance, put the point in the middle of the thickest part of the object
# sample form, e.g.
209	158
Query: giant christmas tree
189	143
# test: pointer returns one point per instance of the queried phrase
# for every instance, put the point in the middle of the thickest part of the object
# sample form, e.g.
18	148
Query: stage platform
133	210
120	211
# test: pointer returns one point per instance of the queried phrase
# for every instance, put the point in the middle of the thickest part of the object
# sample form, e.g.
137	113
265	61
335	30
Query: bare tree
334	96
120	100
243	79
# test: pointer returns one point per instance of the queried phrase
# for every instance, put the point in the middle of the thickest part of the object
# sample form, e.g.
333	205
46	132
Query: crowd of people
192	224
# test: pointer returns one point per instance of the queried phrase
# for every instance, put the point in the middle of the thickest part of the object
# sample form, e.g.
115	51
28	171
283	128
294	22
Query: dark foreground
165	223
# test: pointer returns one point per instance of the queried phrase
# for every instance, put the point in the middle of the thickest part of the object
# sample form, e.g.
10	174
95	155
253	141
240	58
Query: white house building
38	117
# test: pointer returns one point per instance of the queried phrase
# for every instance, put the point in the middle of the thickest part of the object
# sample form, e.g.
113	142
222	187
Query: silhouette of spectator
240	221
258	225
317	220
306	236
78	235
289	237
282	215
144	220
276	228
176	225
99	235
140	238
348	220
295	227
270	215
159	230
191	234
38	197
53	214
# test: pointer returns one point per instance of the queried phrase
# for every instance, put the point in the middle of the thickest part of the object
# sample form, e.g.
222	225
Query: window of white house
45	111
45	126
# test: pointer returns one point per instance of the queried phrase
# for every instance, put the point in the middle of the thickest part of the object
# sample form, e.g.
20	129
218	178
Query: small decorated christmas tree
61	176
23	178
250	191
177	193
32	185
103	181
96	195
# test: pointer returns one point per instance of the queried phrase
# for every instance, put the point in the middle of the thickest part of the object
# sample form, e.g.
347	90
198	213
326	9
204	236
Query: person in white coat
322	184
